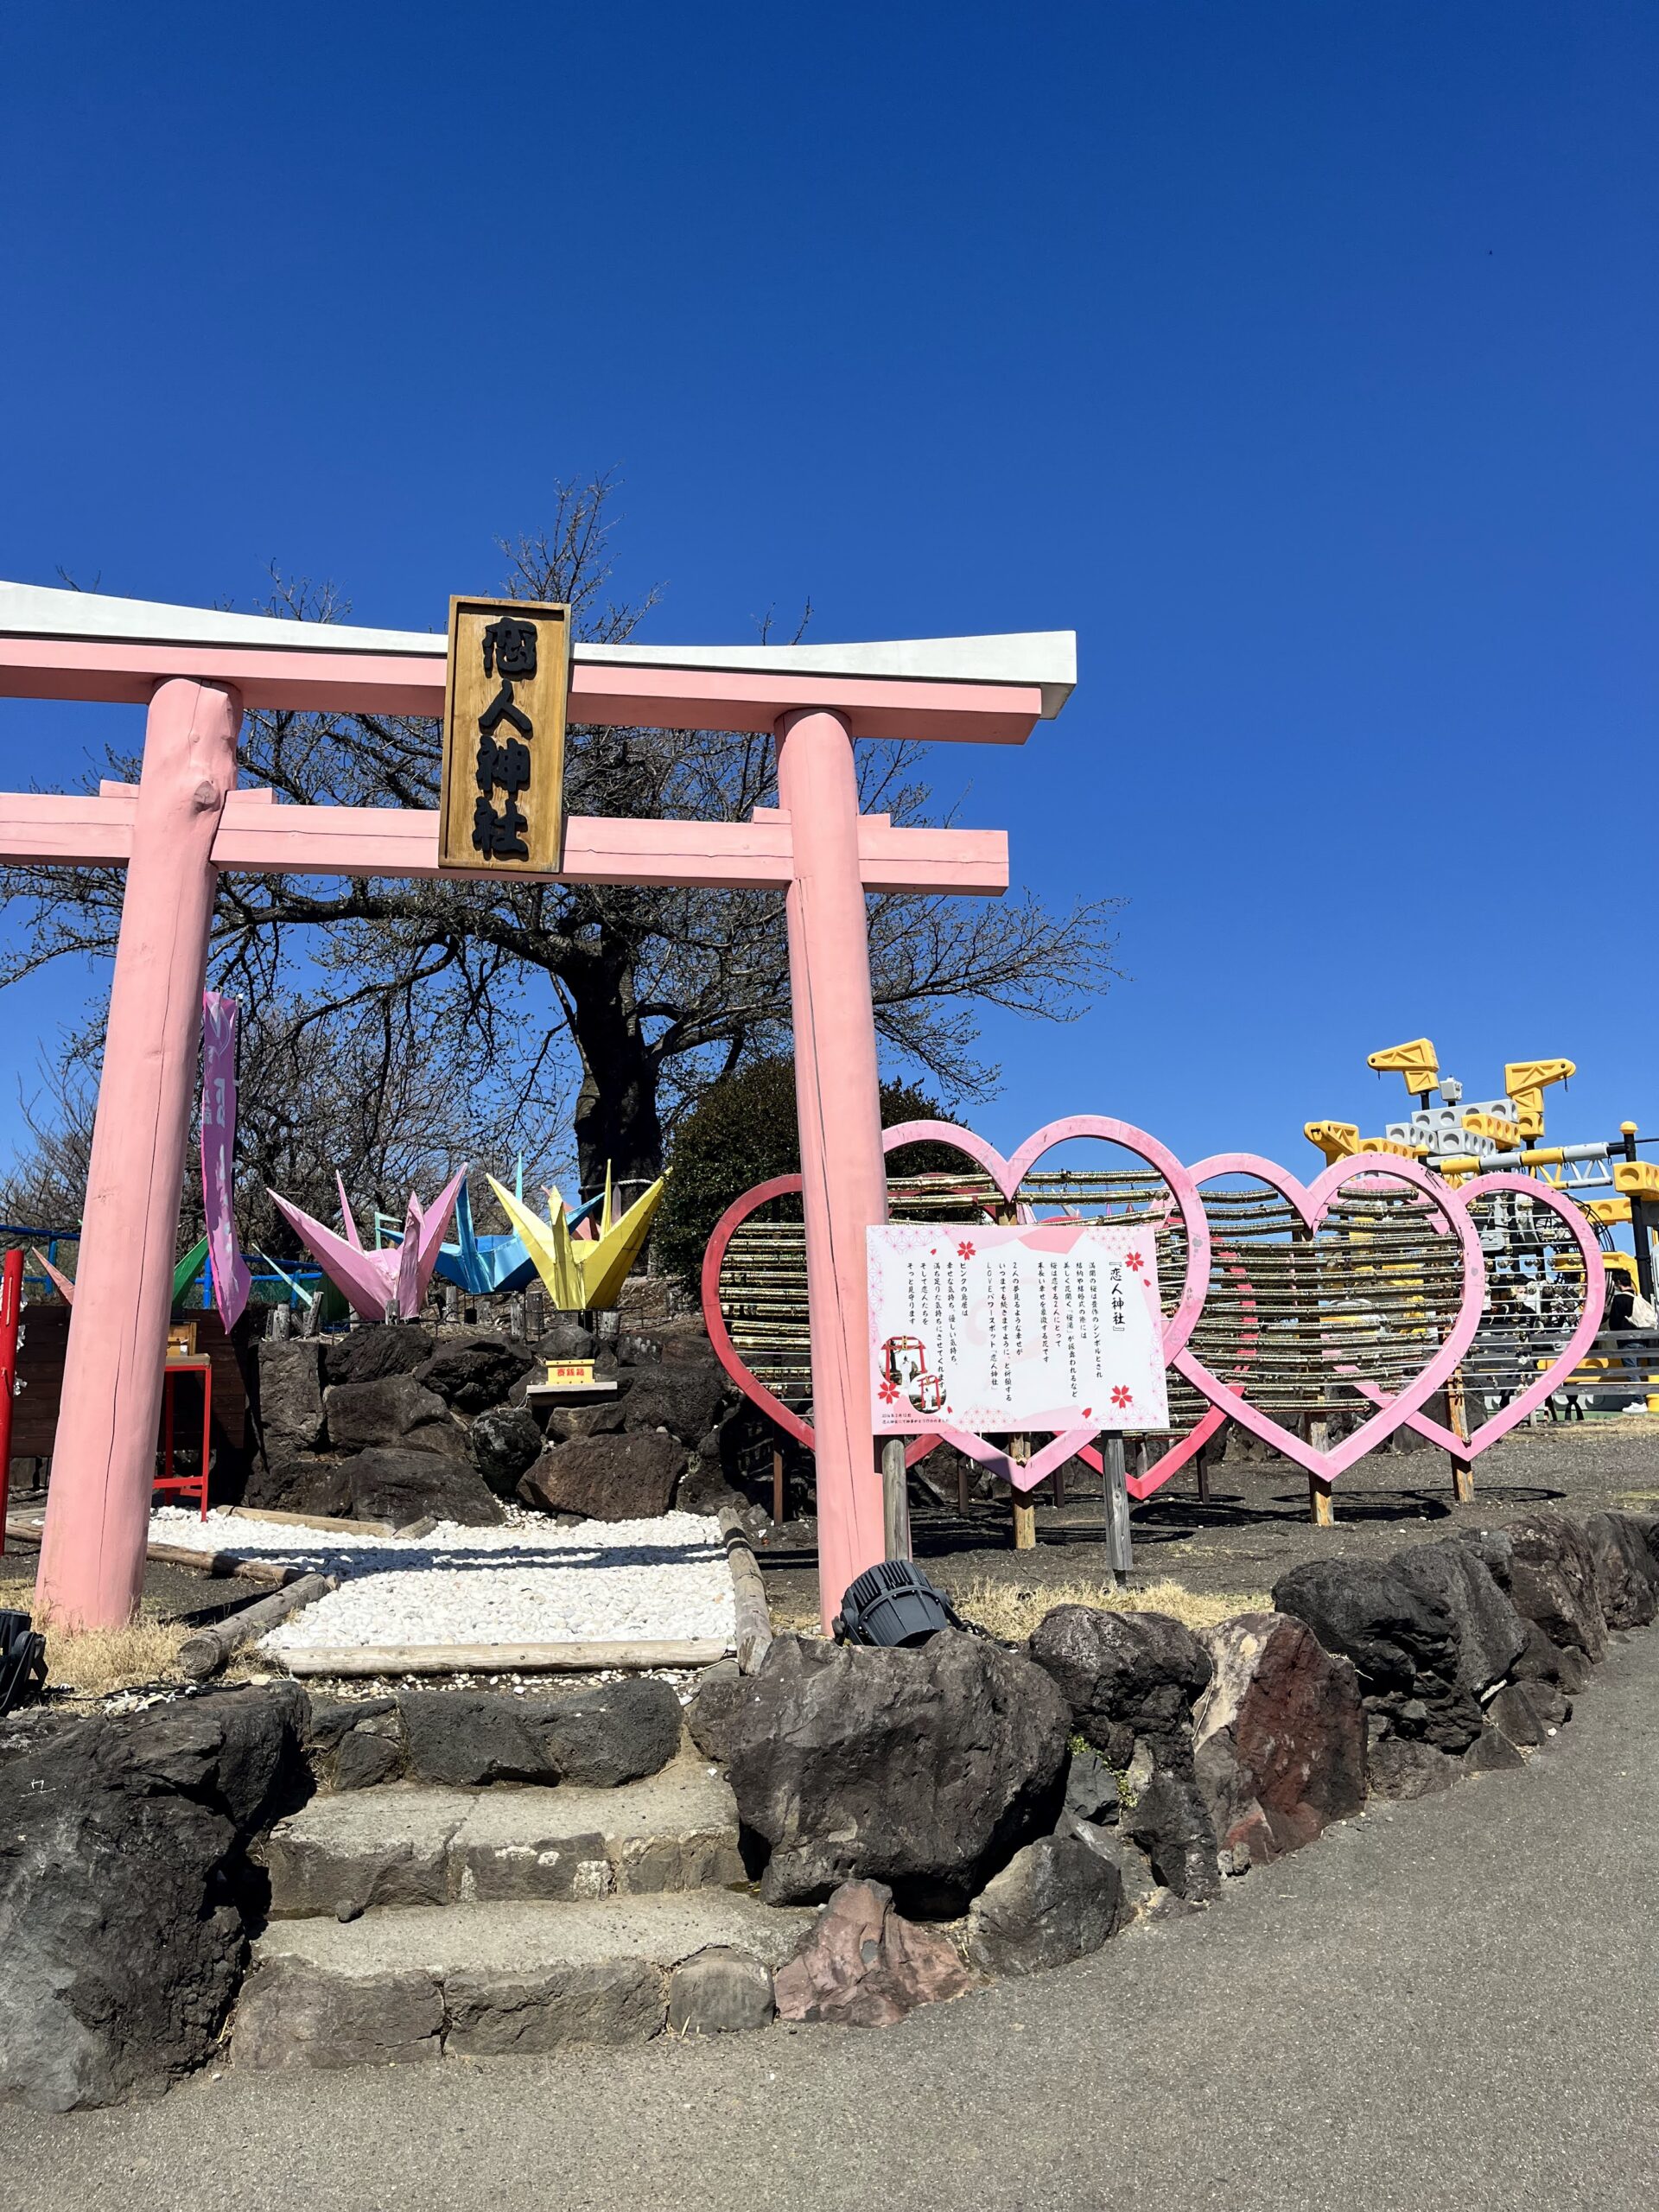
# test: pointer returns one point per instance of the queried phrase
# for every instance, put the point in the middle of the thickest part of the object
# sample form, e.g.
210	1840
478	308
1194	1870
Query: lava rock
371	1753
617	1733
1492	1547
300	1486
718	1699
1138	1882
393	1409
122	1872
1401	1768
330	1726
862	1966
681	1397
382	1348
291	1396
567	1339
1091	1792
400	1486
926	1769
1491	1752
1544	1661
472	1374
719	1991
1403	1644
1280	1736
582	1417
505	1441
1492	1635
607	1477
1171	1822
1627	1574
703	1489
1526	1713
1395	1638
1055	1900
1553	1581
1124	1674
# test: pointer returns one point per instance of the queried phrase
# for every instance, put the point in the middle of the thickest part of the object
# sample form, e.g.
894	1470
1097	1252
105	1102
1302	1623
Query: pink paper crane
390	1284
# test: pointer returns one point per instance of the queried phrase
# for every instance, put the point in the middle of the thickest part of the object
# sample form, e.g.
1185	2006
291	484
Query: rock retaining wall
959	1813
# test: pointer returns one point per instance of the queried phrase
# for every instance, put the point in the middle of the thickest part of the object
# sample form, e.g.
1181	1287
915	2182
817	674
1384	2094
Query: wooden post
1115	1495
1025	1507
962	1464
895	1498
1201	1458
779	1497
1456	1419
1321	1503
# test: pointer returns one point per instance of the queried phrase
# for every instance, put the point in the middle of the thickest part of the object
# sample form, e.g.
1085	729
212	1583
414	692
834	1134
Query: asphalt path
1453	2002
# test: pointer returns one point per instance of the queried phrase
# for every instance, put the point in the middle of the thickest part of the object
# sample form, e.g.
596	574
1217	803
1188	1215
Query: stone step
482	1981
402	1844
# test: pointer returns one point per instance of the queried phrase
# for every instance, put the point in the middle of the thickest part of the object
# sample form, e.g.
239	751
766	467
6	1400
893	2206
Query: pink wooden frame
1170	1462
1007	1173
1311	1201
1595	1284
778	1186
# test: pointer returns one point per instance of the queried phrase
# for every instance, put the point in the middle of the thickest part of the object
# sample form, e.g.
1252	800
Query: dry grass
1011	1611
101	1660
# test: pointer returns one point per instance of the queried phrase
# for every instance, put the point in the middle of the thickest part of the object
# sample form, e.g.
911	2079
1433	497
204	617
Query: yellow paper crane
582	1273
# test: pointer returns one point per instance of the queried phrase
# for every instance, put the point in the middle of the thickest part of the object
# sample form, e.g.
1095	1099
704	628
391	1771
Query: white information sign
1002	1329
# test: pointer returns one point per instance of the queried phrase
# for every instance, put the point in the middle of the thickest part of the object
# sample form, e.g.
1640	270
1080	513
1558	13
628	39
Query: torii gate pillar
92	1553
838	1108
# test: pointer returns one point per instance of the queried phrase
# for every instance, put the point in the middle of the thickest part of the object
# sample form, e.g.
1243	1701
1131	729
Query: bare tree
646	995
363	1094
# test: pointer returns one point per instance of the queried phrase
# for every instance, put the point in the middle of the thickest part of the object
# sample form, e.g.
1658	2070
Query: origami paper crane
486	1266
391	1282
581	1274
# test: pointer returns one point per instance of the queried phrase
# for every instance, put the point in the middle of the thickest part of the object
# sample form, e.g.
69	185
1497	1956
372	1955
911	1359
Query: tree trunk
616	1119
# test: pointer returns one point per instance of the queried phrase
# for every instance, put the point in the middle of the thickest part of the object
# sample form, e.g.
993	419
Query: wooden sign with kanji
502	810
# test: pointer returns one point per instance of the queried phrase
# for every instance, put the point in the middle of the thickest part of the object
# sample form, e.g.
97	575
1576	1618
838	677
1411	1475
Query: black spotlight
22	1661
893	1602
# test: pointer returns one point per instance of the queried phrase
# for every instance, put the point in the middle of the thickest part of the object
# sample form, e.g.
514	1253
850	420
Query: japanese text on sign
997	1329
503	804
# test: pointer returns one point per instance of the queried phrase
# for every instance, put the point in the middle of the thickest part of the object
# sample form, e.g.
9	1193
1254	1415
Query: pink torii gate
196	672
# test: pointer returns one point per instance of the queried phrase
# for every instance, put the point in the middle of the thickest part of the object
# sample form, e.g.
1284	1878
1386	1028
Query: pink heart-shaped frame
1311	1201
1589	1325
779	1186
1168	1463
1006	1174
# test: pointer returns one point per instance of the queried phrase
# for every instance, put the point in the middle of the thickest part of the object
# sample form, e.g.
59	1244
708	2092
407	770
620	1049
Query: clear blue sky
1301	357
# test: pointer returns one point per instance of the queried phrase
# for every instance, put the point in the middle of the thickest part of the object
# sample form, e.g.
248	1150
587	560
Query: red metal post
11	1307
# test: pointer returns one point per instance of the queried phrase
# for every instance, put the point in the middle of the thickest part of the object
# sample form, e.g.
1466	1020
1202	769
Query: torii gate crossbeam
185	820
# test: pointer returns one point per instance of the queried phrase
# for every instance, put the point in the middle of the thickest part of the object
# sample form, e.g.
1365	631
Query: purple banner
232	1281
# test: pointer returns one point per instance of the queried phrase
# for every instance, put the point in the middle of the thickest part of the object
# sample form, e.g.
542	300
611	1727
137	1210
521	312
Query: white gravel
533	1582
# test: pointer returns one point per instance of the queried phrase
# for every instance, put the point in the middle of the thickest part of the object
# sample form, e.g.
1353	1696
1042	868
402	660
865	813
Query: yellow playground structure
1607	1177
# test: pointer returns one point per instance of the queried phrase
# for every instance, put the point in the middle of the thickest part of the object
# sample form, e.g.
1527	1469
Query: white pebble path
532	1582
